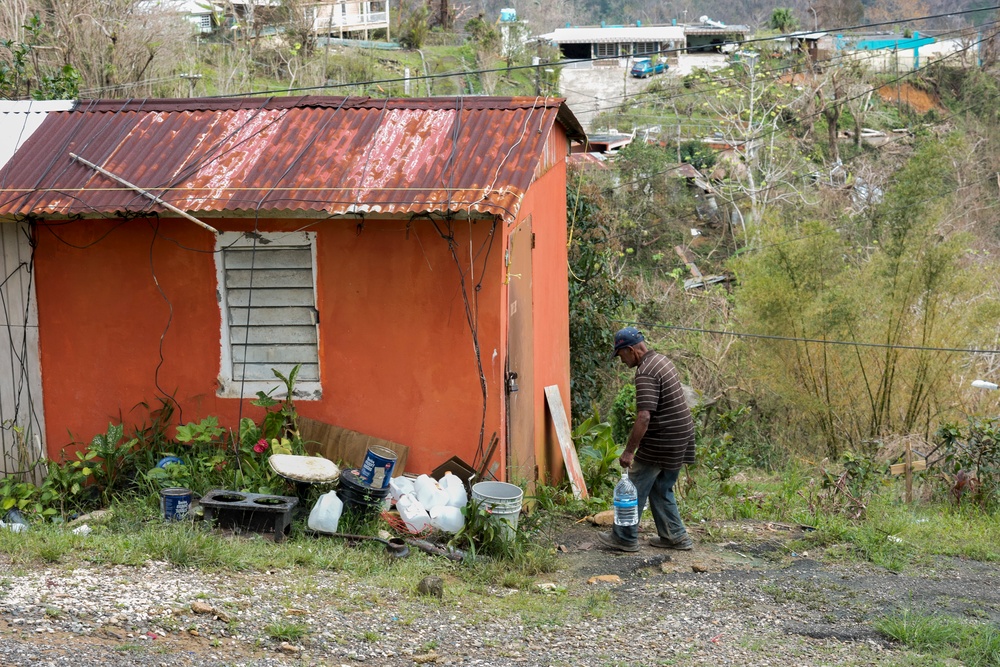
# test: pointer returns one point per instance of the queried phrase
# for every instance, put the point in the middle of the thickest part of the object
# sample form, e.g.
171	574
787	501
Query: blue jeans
656	484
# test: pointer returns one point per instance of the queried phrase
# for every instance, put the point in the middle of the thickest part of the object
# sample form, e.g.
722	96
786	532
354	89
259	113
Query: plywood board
346	446
565	436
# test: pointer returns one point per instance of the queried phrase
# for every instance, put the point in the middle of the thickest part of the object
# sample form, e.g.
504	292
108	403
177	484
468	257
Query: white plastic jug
447	518
400	485
325	514
429	492
413	513
457	496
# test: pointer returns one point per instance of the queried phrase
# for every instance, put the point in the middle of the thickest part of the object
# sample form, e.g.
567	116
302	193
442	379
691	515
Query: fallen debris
199	607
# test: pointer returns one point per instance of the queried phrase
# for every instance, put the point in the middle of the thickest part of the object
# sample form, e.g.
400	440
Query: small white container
325	514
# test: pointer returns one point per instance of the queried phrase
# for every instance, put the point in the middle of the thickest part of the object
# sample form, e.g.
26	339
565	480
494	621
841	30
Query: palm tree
783	20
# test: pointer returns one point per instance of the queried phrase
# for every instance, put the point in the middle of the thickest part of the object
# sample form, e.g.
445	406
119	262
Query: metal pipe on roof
165	204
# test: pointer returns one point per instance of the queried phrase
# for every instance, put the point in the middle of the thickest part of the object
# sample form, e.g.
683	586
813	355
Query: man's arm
638	430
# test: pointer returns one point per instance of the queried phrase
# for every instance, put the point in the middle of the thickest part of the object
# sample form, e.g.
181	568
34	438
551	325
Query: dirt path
742	597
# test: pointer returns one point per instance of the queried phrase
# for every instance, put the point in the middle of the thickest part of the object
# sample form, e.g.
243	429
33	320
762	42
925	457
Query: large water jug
457	496
413	514
626	502
325	514
447	518
429	492
400	485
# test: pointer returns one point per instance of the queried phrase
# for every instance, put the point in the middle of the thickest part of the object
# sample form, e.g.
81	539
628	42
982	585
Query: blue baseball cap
627	337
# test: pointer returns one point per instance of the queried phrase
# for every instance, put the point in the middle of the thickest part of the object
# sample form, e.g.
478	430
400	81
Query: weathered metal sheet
328	155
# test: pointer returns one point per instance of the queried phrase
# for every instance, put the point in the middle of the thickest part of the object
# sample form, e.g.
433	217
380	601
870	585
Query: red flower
261	446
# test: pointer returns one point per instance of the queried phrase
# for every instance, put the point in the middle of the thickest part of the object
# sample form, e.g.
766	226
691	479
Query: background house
346	18
594	73
411	254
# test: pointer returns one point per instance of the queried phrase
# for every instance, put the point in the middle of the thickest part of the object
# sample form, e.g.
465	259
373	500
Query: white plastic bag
457	496
413	513
447	518
325	514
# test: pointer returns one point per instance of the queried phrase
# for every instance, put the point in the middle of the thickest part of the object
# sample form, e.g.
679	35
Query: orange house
409	253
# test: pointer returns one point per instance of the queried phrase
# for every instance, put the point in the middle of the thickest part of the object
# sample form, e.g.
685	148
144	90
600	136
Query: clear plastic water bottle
626	502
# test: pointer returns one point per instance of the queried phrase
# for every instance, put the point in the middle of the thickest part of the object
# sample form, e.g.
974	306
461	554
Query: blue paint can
377	468
175	503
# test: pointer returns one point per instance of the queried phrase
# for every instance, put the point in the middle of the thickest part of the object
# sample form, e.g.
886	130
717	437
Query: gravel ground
732	603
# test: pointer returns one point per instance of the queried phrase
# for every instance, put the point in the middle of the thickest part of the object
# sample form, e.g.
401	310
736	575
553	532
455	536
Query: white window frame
234	387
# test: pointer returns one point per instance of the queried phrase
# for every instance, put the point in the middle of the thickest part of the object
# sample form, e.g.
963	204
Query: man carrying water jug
661	442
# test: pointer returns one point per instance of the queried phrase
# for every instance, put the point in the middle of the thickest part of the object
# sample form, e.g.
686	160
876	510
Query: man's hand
625	460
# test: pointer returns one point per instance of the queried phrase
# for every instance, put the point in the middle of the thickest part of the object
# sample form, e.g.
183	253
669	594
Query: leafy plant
283	421
697	154
205	432
22	496
414	26
487	535
114	459
21	74
971	457
623	414
64	485
171	475
850	490
598	453
717	450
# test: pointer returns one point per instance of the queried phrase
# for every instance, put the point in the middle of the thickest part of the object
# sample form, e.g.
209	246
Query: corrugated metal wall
21	418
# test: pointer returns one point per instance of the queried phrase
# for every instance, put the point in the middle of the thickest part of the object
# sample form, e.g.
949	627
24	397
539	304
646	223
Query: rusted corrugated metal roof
330	155
587	161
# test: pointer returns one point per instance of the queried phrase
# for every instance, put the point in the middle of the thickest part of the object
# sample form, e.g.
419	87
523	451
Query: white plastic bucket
503	501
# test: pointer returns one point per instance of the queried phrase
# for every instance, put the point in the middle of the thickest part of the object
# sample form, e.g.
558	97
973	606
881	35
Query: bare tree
839	13
830	97
117	46
749	108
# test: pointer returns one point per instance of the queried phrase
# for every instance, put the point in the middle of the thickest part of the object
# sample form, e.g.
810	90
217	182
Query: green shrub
599	454
623	414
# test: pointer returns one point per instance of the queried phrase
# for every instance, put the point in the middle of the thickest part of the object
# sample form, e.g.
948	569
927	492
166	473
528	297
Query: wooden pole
144	193
909	473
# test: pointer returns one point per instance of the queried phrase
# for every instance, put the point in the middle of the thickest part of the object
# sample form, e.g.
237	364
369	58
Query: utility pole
191	79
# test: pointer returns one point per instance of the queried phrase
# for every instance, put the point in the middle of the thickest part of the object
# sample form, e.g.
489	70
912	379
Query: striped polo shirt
669	440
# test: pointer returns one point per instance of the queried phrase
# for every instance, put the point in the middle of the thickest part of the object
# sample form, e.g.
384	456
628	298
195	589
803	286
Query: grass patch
286	631
973	644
